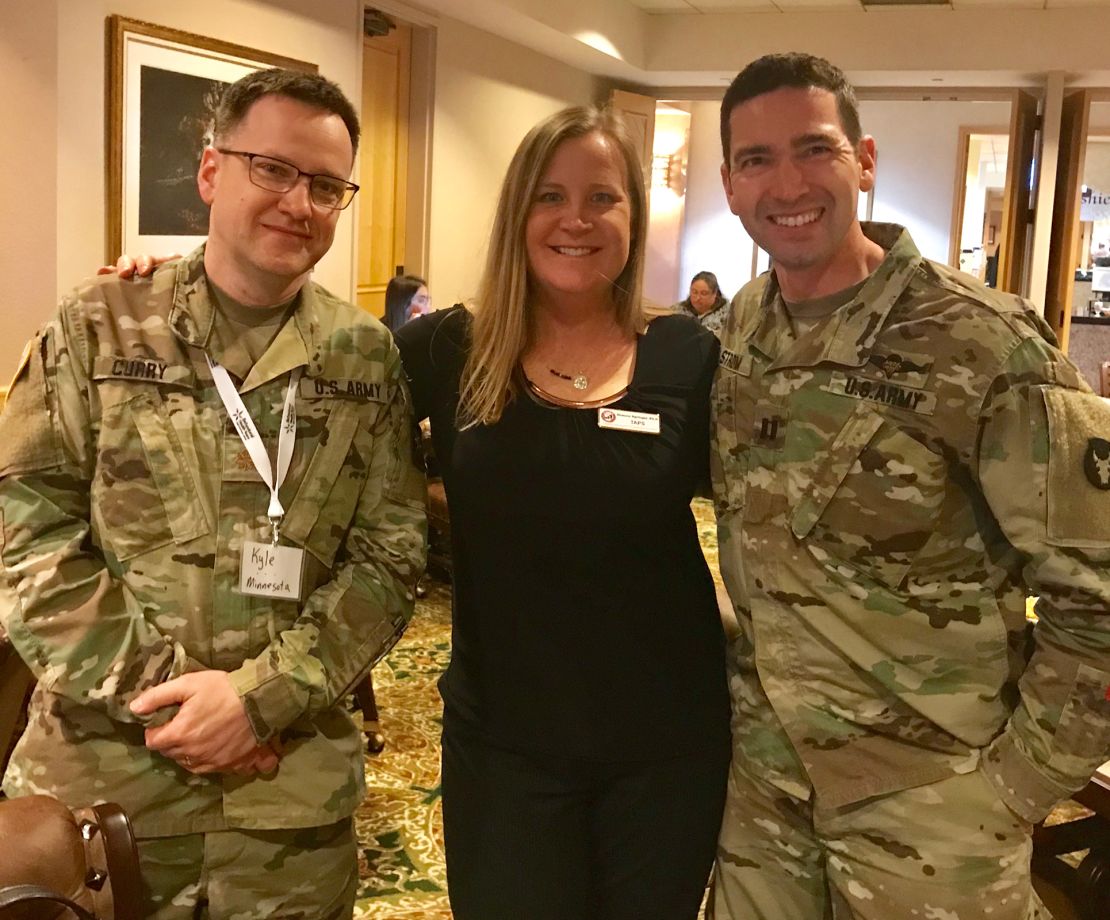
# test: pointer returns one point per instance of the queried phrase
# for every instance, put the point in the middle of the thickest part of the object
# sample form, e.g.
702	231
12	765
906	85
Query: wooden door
639	115
1016	210
383	164
1063	254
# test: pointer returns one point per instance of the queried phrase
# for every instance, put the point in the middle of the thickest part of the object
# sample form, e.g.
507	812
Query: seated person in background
406	297
705	303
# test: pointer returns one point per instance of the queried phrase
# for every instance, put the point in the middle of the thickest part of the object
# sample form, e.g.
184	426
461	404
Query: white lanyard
252	441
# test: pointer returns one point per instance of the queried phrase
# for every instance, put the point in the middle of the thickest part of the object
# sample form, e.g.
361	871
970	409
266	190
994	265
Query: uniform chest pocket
324	506
143	492
871	500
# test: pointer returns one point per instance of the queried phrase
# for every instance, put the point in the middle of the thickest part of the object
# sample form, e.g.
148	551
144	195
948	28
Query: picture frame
161	90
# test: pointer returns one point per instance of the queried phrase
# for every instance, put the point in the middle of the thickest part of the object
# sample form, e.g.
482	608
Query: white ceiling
691	49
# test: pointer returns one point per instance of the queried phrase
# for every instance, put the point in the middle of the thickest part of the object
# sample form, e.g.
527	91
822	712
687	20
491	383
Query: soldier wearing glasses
211	529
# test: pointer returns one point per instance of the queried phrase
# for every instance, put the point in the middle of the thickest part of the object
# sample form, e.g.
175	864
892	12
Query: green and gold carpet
400	826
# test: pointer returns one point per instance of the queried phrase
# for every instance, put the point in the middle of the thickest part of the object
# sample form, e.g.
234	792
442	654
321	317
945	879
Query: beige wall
918	148
52	68
489	93
714	240
28	73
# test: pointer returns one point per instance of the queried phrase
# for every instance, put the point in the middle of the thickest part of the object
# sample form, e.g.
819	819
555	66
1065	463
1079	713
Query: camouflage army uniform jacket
889	488
125	497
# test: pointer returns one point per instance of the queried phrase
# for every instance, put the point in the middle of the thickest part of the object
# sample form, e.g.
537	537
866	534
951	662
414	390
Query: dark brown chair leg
371	722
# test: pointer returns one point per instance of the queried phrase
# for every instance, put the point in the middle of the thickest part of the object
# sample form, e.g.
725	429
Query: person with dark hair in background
902	456
212	525
705	302
406	297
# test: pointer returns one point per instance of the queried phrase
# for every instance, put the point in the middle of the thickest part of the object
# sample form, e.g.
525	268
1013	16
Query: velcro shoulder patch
30	440
342	388
1078	467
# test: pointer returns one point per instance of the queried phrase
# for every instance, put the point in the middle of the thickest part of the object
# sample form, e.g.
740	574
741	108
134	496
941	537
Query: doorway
980	202
394	159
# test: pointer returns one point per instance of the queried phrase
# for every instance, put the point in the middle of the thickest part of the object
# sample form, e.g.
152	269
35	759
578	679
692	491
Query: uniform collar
851	331
298	344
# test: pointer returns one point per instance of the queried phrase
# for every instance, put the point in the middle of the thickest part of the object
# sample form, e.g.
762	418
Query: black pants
532	837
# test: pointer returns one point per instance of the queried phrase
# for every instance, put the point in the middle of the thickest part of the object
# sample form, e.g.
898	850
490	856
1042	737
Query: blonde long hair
503	325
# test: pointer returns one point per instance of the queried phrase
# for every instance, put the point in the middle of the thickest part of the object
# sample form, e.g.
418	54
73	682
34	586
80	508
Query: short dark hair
309	88
797	70
399	293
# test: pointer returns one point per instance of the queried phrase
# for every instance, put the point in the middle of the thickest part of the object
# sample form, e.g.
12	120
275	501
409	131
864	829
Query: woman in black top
586	743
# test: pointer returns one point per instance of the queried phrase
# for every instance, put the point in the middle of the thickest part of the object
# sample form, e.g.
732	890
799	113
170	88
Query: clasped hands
210	732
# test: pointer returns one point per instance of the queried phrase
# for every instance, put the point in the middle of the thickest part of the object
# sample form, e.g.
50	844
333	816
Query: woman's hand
136	266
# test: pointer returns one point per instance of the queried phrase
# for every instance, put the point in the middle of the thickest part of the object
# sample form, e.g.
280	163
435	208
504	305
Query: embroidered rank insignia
1096	463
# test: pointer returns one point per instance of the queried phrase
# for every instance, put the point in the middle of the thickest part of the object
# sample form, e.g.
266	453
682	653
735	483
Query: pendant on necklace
579	381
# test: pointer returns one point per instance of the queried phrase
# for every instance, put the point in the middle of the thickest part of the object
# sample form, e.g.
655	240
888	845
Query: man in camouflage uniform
213	713
901	457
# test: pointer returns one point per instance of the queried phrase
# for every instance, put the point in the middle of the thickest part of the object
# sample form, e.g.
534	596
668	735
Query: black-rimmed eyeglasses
276	175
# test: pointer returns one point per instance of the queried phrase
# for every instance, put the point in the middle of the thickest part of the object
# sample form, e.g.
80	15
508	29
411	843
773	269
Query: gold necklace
572	403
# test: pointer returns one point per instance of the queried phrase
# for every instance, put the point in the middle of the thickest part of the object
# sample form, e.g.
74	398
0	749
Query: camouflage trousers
300	874
950	850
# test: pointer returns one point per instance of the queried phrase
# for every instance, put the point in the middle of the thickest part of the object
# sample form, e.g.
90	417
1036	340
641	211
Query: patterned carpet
400	828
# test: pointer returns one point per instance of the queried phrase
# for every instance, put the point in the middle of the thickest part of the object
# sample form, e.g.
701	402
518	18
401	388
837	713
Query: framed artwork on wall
163	86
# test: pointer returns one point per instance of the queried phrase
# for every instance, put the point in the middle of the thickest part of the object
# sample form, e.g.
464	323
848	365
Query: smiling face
578	231
793	178
262	244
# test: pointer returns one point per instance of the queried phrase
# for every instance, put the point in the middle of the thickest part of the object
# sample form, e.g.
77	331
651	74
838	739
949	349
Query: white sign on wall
1094	205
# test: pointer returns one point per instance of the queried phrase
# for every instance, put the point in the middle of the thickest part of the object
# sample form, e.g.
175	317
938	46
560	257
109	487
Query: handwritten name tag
623	420
271	571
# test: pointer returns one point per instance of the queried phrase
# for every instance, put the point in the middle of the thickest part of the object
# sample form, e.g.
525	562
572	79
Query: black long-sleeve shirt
585	619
